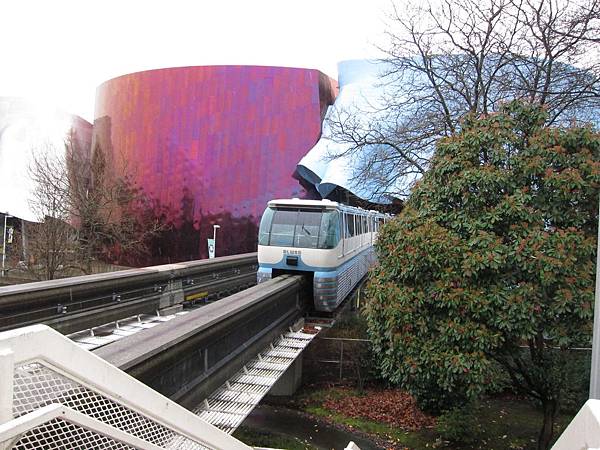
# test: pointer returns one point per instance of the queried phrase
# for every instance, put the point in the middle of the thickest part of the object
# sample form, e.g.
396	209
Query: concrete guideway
73	304
190	356
209	353
61	403
229	405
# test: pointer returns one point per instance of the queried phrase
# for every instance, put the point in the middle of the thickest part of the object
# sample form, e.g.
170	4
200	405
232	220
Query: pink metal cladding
211	145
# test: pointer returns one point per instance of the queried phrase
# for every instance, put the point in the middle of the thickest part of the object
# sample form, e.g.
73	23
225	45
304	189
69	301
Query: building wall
211	145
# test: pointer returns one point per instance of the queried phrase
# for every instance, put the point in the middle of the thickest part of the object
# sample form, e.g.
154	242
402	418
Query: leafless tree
109	212
449	58
51	242
86	212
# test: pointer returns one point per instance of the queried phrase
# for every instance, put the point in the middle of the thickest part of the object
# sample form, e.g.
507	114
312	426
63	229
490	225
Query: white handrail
41	344
11	431
584	430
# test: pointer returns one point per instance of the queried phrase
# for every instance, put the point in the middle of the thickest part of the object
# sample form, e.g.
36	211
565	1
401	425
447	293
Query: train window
329	235
265	226
282	228
345	225
350	221
302	228
307	229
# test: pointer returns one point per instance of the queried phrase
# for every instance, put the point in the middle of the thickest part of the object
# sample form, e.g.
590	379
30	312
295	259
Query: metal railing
344	359
584	430
54	394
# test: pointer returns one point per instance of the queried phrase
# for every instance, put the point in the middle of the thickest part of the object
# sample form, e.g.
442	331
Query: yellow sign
196	296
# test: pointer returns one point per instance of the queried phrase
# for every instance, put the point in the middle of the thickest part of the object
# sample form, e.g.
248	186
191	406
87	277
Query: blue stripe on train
331	285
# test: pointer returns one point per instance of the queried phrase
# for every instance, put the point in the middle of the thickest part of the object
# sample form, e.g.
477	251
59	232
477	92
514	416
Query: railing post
7	369
341	358
595	369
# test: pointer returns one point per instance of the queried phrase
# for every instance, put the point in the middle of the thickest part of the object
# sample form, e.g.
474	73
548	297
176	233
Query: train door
343	233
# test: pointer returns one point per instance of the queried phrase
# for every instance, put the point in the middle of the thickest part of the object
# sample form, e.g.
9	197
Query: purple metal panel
211	145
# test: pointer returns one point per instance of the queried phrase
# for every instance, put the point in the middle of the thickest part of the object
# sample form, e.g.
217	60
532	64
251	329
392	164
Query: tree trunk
550	406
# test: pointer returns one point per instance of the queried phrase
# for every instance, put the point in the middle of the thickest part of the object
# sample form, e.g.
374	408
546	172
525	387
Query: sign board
211	248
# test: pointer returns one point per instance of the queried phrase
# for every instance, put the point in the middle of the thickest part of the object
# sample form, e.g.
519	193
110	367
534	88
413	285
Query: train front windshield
302	228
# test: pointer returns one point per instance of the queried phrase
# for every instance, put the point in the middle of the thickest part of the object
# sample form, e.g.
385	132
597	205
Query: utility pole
595	371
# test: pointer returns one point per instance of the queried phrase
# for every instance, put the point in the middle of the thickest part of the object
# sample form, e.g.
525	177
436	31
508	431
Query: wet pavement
293	423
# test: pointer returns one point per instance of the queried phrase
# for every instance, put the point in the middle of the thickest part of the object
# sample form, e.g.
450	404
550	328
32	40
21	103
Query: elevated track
190	356
77	303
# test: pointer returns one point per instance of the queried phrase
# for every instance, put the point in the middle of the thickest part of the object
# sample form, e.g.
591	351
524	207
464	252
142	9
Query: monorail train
331	240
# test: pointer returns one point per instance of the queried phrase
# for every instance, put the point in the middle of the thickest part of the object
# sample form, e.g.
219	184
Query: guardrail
66	304
190	356
54	394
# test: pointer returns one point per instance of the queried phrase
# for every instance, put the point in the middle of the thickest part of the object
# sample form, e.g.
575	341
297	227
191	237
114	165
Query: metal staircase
54	394
228	406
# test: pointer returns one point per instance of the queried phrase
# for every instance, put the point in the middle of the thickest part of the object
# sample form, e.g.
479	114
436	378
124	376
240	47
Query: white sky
59	51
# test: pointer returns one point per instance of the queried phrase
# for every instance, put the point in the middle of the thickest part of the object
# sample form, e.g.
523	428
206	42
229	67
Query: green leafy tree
491	263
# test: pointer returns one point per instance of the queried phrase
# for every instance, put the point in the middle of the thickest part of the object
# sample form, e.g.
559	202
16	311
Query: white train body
331	240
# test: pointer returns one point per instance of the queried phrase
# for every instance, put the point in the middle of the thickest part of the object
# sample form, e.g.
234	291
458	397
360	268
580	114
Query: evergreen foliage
491	262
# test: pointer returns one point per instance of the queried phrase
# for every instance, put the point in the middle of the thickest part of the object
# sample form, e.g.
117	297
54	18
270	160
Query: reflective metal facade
211	145
362	100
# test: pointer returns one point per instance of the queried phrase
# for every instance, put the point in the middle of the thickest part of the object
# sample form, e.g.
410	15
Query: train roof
301	202
321	204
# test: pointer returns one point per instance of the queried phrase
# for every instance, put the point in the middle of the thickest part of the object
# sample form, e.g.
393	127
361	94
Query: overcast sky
59	51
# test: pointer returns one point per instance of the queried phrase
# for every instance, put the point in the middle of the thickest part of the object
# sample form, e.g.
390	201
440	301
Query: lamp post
215	236
6	216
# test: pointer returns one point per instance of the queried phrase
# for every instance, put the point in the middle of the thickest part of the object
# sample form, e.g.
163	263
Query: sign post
211	248
4	232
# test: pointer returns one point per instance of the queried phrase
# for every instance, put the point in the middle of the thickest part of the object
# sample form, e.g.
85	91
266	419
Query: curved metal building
211	146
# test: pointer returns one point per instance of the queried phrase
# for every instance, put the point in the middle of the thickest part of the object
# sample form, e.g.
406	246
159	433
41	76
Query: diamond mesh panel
59	434
36	385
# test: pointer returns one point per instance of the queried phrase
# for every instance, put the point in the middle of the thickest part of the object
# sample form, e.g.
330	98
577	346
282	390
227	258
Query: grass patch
380	430
259	438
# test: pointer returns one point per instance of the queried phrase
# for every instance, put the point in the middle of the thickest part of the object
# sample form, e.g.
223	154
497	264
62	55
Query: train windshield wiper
305	230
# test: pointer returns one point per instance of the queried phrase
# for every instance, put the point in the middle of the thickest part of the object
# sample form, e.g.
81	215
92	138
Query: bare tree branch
444	60
86	214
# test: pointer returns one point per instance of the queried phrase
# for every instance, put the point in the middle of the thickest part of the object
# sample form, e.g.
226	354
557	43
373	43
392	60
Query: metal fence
343	360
